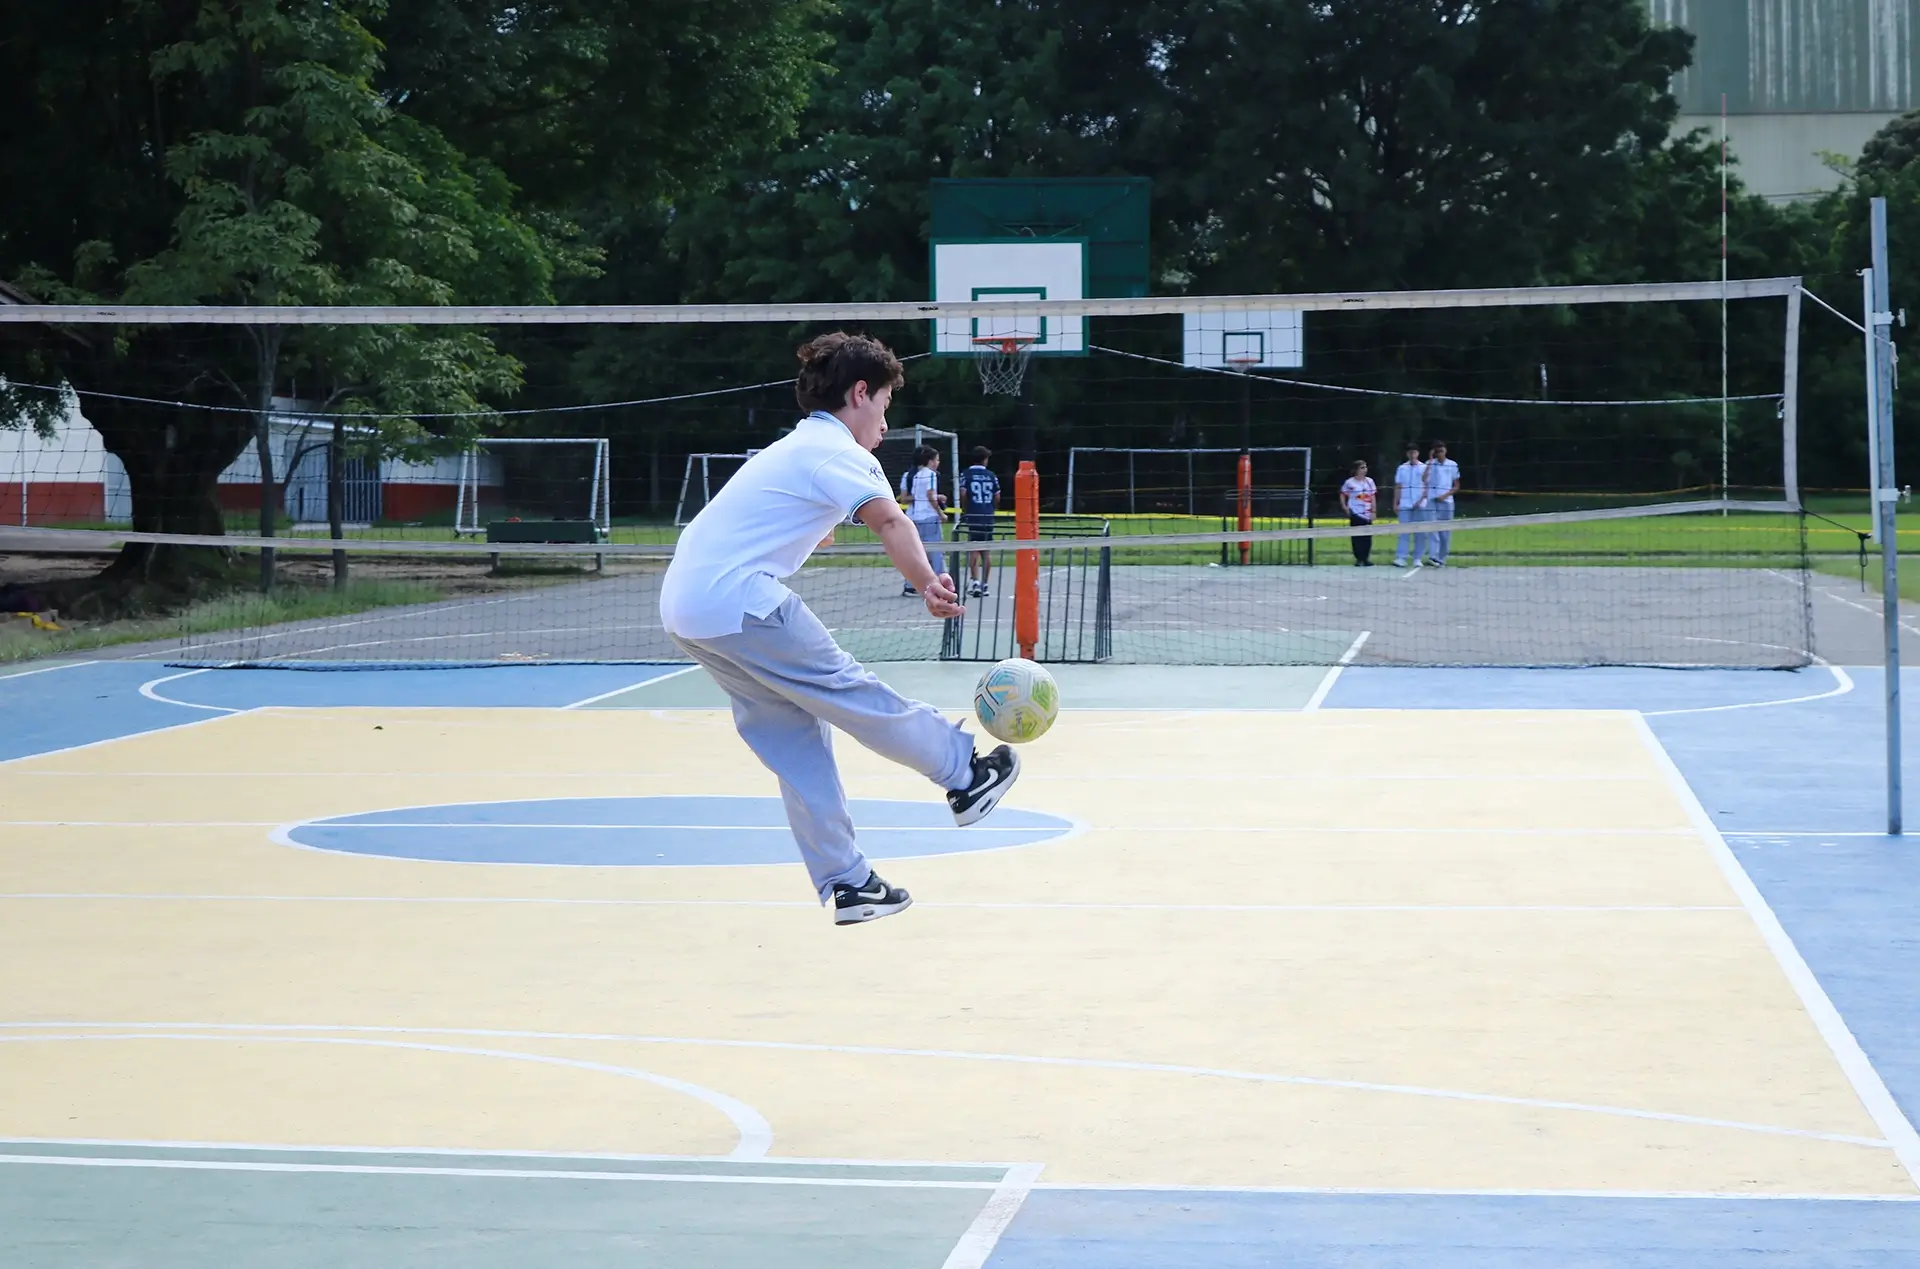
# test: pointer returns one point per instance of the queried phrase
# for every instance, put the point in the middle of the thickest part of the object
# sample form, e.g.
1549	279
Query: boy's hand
942	600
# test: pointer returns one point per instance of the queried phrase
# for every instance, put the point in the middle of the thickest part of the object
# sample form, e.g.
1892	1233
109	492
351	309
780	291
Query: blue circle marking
653	831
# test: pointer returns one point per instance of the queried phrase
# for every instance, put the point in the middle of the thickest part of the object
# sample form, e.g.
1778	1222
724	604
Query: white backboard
1037	269
1245	339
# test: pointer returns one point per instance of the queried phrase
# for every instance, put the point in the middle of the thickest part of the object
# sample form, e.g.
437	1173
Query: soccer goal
703	478
896	453
1107	480
535	478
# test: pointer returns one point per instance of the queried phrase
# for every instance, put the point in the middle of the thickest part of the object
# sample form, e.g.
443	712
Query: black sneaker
908	589
993	775
868	901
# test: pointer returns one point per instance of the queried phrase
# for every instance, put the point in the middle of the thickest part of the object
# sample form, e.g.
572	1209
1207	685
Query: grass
20	641
1909	573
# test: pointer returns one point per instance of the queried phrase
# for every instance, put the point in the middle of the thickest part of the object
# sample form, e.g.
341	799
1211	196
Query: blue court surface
1055	962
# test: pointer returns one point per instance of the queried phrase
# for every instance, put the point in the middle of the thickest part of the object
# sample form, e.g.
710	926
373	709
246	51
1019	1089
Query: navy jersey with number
982	488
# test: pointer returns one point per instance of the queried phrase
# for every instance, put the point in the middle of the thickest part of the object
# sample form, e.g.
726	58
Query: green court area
68	1206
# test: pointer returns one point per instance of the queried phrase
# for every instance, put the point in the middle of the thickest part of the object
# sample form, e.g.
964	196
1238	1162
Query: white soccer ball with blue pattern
1016	701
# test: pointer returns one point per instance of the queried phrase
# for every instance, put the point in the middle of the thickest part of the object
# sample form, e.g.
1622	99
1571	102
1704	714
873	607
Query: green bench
581	532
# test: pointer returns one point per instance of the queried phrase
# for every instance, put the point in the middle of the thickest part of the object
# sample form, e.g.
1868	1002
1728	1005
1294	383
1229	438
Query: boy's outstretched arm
909	554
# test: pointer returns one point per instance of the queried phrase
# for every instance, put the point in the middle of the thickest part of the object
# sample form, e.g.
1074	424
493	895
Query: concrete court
1499	950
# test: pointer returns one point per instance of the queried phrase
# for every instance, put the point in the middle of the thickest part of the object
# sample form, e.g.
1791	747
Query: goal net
704	477
557	478
1608	501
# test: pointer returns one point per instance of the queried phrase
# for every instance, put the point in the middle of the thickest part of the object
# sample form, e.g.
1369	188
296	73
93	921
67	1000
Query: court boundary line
485	1152
1142	1187
1333	673
216	1030
633	687
754	1133
1874	1096
45	669
114	740
509	1174
977	1243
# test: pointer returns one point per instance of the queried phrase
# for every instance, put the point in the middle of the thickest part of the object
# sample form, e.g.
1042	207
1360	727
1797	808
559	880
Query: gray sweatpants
790	685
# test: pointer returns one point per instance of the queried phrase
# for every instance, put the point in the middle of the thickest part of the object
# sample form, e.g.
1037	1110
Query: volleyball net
514	497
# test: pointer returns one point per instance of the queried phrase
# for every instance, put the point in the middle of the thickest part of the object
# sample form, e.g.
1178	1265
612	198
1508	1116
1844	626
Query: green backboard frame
1111	213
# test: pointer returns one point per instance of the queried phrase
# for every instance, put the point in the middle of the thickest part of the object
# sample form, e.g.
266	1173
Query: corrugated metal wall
1797	56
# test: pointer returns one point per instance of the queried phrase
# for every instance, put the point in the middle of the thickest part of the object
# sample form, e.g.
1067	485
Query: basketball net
1002	363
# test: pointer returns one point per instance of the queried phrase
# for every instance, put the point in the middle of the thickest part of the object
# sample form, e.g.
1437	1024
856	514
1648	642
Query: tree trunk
173	460
337	497
266	365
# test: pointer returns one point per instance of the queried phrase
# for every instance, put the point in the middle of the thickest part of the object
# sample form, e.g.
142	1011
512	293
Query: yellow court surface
1370	949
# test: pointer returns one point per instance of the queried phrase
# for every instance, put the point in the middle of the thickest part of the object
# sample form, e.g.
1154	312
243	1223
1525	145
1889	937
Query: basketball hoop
1243	364
1002	362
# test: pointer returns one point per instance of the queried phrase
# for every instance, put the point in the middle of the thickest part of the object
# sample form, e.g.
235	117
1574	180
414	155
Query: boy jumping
724	604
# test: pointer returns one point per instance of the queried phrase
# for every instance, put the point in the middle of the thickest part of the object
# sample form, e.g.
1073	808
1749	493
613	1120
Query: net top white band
678	314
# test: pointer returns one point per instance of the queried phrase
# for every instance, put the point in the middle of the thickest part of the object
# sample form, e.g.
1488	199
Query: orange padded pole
1026	564
1243	484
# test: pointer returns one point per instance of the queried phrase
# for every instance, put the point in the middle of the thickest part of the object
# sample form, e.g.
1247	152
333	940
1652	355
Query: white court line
977	1244
45	669
1332	675
114	740
147	690
631	687
1843	683
470	1152
264	1031
1119	1187
508	1174
1867	1084
1801	833
1125	1187
564	902
1874	611
755	1134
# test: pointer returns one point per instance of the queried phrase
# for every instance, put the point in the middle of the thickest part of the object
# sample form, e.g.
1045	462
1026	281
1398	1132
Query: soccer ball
1016	701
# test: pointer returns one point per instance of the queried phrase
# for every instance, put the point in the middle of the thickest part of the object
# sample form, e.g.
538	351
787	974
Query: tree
266	169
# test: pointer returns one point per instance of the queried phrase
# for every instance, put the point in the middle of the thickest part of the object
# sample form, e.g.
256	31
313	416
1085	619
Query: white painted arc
963	1055
148	690
754	1133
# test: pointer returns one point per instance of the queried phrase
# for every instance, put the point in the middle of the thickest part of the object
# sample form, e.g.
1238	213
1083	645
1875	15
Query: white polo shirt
1441	478
1409	483
763	524
924	483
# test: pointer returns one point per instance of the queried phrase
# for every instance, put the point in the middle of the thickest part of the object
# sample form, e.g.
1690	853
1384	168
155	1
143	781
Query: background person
924	507
1357	497
1442	482
1410	506
979	500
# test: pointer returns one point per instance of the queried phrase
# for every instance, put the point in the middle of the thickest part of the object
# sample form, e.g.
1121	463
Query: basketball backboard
1106	213
1244	339
1010	269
